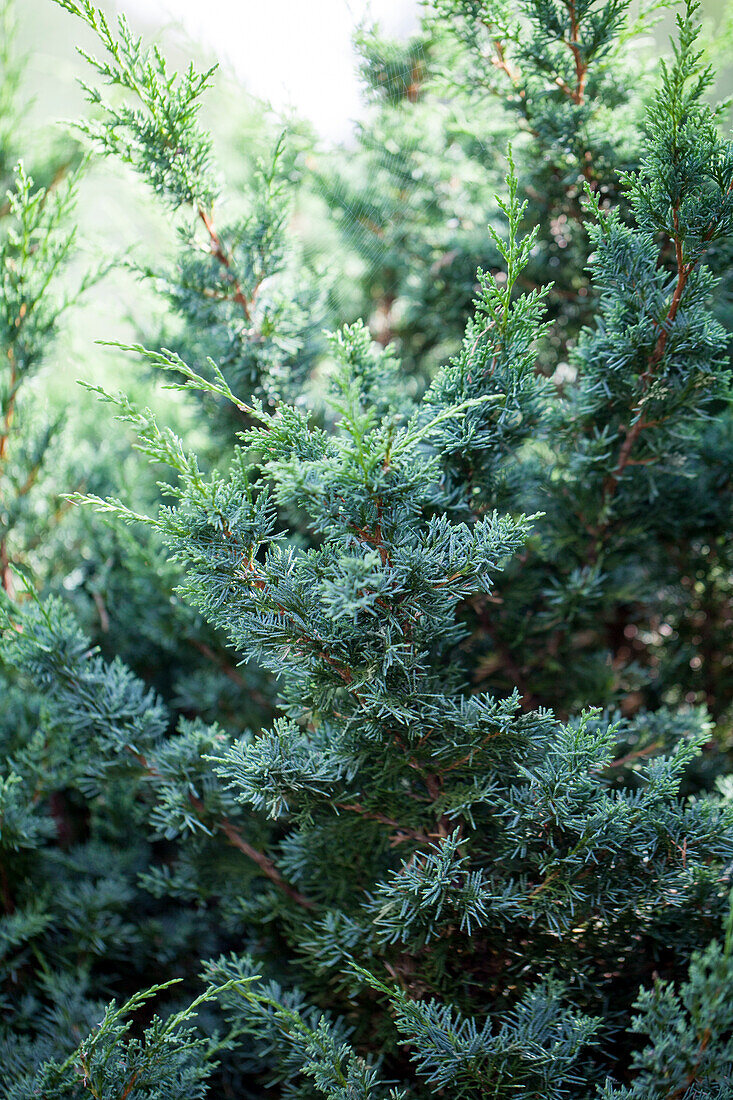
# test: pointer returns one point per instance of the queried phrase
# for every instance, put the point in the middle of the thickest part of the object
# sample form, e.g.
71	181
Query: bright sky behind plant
294	53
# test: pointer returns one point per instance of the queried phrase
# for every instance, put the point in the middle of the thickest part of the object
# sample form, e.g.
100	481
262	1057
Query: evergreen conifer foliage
240	290
639	634
433	842
654	365
405	887
627	440
441	856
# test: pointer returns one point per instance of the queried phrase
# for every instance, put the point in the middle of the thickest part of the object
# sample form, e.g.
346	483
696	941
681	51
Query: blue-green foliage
615	453
406	885
688	1031
533	1049
418	820
168	1062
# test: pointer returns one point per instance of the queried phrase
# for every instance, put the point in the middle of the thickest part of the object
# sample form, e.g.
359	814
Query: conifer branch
581	68
264	863
218	252
235	838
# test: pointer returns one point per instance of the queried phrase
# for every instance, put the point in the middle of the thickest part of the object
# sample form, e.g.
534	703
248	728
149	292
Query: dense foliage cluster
380	746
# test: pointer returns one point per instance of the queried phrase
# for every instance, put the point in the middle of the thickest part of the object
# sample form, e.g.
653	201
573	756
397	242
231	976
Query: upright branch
547	62
682	190
266	342
581	66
